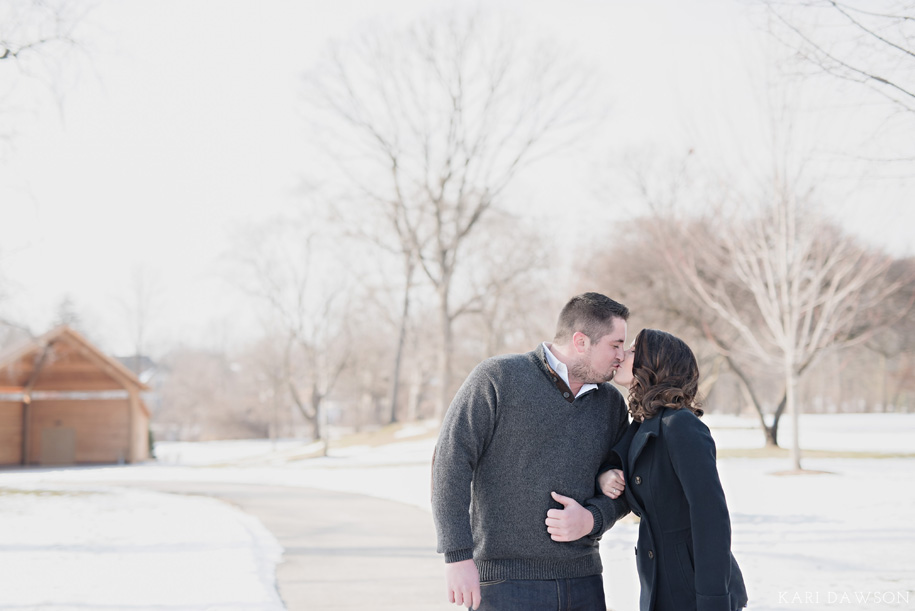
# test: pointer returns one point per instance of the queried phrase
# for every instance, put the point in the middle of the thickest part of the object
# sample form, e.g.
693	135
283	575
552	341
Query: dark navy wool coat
684	549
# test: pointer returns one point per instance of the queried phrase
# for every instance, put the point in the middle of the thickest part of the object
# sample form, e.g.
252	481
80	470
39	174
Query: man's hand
463	581
612	483
570	523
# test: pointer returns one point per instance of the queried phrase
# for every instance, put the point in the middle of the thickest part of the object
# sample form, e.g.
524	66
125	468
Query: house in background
63	401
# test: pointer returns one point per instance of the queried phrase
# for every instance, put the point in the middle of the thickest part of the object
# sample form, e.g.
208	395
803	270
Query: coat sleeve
692	453
465	433
607	511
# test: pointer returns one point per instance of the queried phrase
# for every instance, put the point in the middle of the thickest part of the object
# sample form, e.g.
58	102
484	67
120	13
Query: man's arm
465	433
463	582
570	523
608	510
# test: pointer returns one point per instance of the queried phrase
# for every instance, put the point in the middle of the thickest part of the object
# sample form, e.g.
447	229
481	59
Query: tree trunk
709	379
445	356
401	338
311	417
793	411
900	399
770	433
780	410
368	407
884	384
308	412
416	394
317	400
275	415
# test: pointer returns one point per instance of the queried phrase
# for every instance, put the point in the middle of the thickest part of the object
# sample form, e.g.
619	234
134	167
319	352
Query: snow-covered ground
82	546
70	539
881	433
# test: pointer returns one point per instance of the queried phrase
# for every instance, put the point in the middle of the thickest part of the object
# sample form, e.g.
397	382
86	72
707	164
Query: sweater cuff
458	555
598	520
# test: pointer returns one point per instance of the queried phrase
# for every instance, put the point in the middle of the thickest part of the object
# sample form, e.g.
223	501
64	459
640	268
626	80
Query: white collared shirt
560	368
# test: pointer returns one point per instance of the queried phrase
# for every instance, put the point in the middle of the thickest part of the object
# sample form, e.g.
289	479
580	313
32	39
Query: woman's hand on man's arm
612	483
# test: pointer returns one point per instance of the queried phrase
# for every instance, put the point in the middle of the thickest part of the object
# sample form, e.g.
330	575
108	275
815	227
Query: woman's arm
612	483
607	509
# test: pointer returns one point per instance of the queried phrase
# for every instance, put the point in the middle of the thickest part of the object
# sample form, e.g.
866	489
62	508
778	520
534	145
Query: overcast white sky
181	127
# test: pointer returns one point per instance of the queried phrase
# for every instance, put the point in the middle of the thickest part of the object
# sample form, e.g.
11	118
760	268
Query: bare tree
203	397
30	27
740	276
419	360
140	303
68	313
403	297
896	341
430	126
867	42
409	264
264	361
635	269
812	285
12	332
509	287
286	270
37	42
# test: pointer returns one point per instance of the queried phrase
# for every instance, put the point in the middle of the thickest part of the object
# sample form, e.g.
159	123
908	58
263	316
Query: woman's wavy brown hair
664	374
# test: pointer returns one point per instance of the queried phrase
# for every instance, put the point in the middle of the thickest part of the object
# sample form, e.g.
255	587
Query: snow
882	433
94	547
842	539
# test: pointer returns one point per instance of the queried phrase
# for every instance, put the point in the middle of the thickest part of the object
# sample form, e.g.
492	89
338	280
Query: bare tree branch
434	125
866	54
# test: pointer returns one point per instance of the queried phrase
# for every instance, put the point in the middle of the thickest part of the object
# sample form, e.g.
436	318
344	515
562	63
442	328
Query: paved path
341	551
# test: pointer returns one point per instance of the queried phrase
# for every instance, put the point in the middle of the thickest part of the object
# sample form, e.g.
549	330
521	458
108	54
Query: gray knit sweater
508	440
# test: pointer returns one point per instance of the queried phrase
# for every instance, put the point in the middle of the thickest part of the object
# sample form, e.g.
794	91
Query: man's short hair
590	313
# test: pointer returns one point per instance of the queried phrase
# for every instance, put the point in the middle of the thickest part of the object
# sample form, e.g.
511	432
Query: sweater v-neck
561	385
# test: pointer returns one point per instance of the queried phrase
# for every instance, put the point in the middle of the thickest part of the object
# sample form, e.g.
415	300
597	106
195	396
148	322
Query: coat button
650	554
566	395
638	480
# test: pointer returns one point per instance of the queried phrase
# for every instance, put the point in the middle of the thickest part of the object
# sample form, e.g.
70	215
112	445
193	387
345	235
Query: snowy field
843	539
83	546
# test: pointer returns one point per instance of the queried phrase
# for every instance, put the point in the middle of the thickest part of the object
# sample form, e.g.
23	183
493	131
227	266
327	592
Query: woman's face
623	375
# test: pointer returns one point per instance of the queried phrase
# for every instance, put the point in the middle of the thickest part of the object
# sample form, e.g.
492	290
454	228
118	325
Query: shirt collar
562	371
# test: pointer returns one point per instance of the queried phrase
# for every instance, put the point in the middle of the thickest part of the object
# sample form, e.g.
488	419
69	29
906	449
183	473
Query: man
514	498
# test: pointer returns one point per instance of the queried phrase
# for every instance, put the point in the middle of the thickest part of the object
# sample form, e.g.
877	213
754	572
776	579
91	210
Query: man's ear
580	341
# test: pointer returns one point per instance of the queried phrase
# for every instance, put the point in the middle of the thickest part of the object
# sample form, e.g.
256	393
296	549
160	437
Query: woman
668	459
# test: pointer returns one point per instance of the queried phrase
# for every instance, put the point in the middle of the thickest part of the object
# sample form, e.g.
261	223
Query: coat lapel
647	429
621	449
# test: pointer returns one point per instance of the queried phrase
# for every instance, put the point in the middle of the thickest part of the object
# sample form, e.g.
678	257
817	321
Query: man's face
623	375
601	359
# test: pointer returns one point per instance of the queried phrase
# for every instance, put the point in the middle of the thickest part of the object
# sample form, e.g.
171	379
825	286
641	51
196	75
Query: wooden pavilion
63	402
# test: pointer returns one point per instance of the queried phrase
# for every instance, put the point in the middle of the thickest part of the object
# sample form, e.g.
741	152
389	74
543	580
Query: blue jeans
579	594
